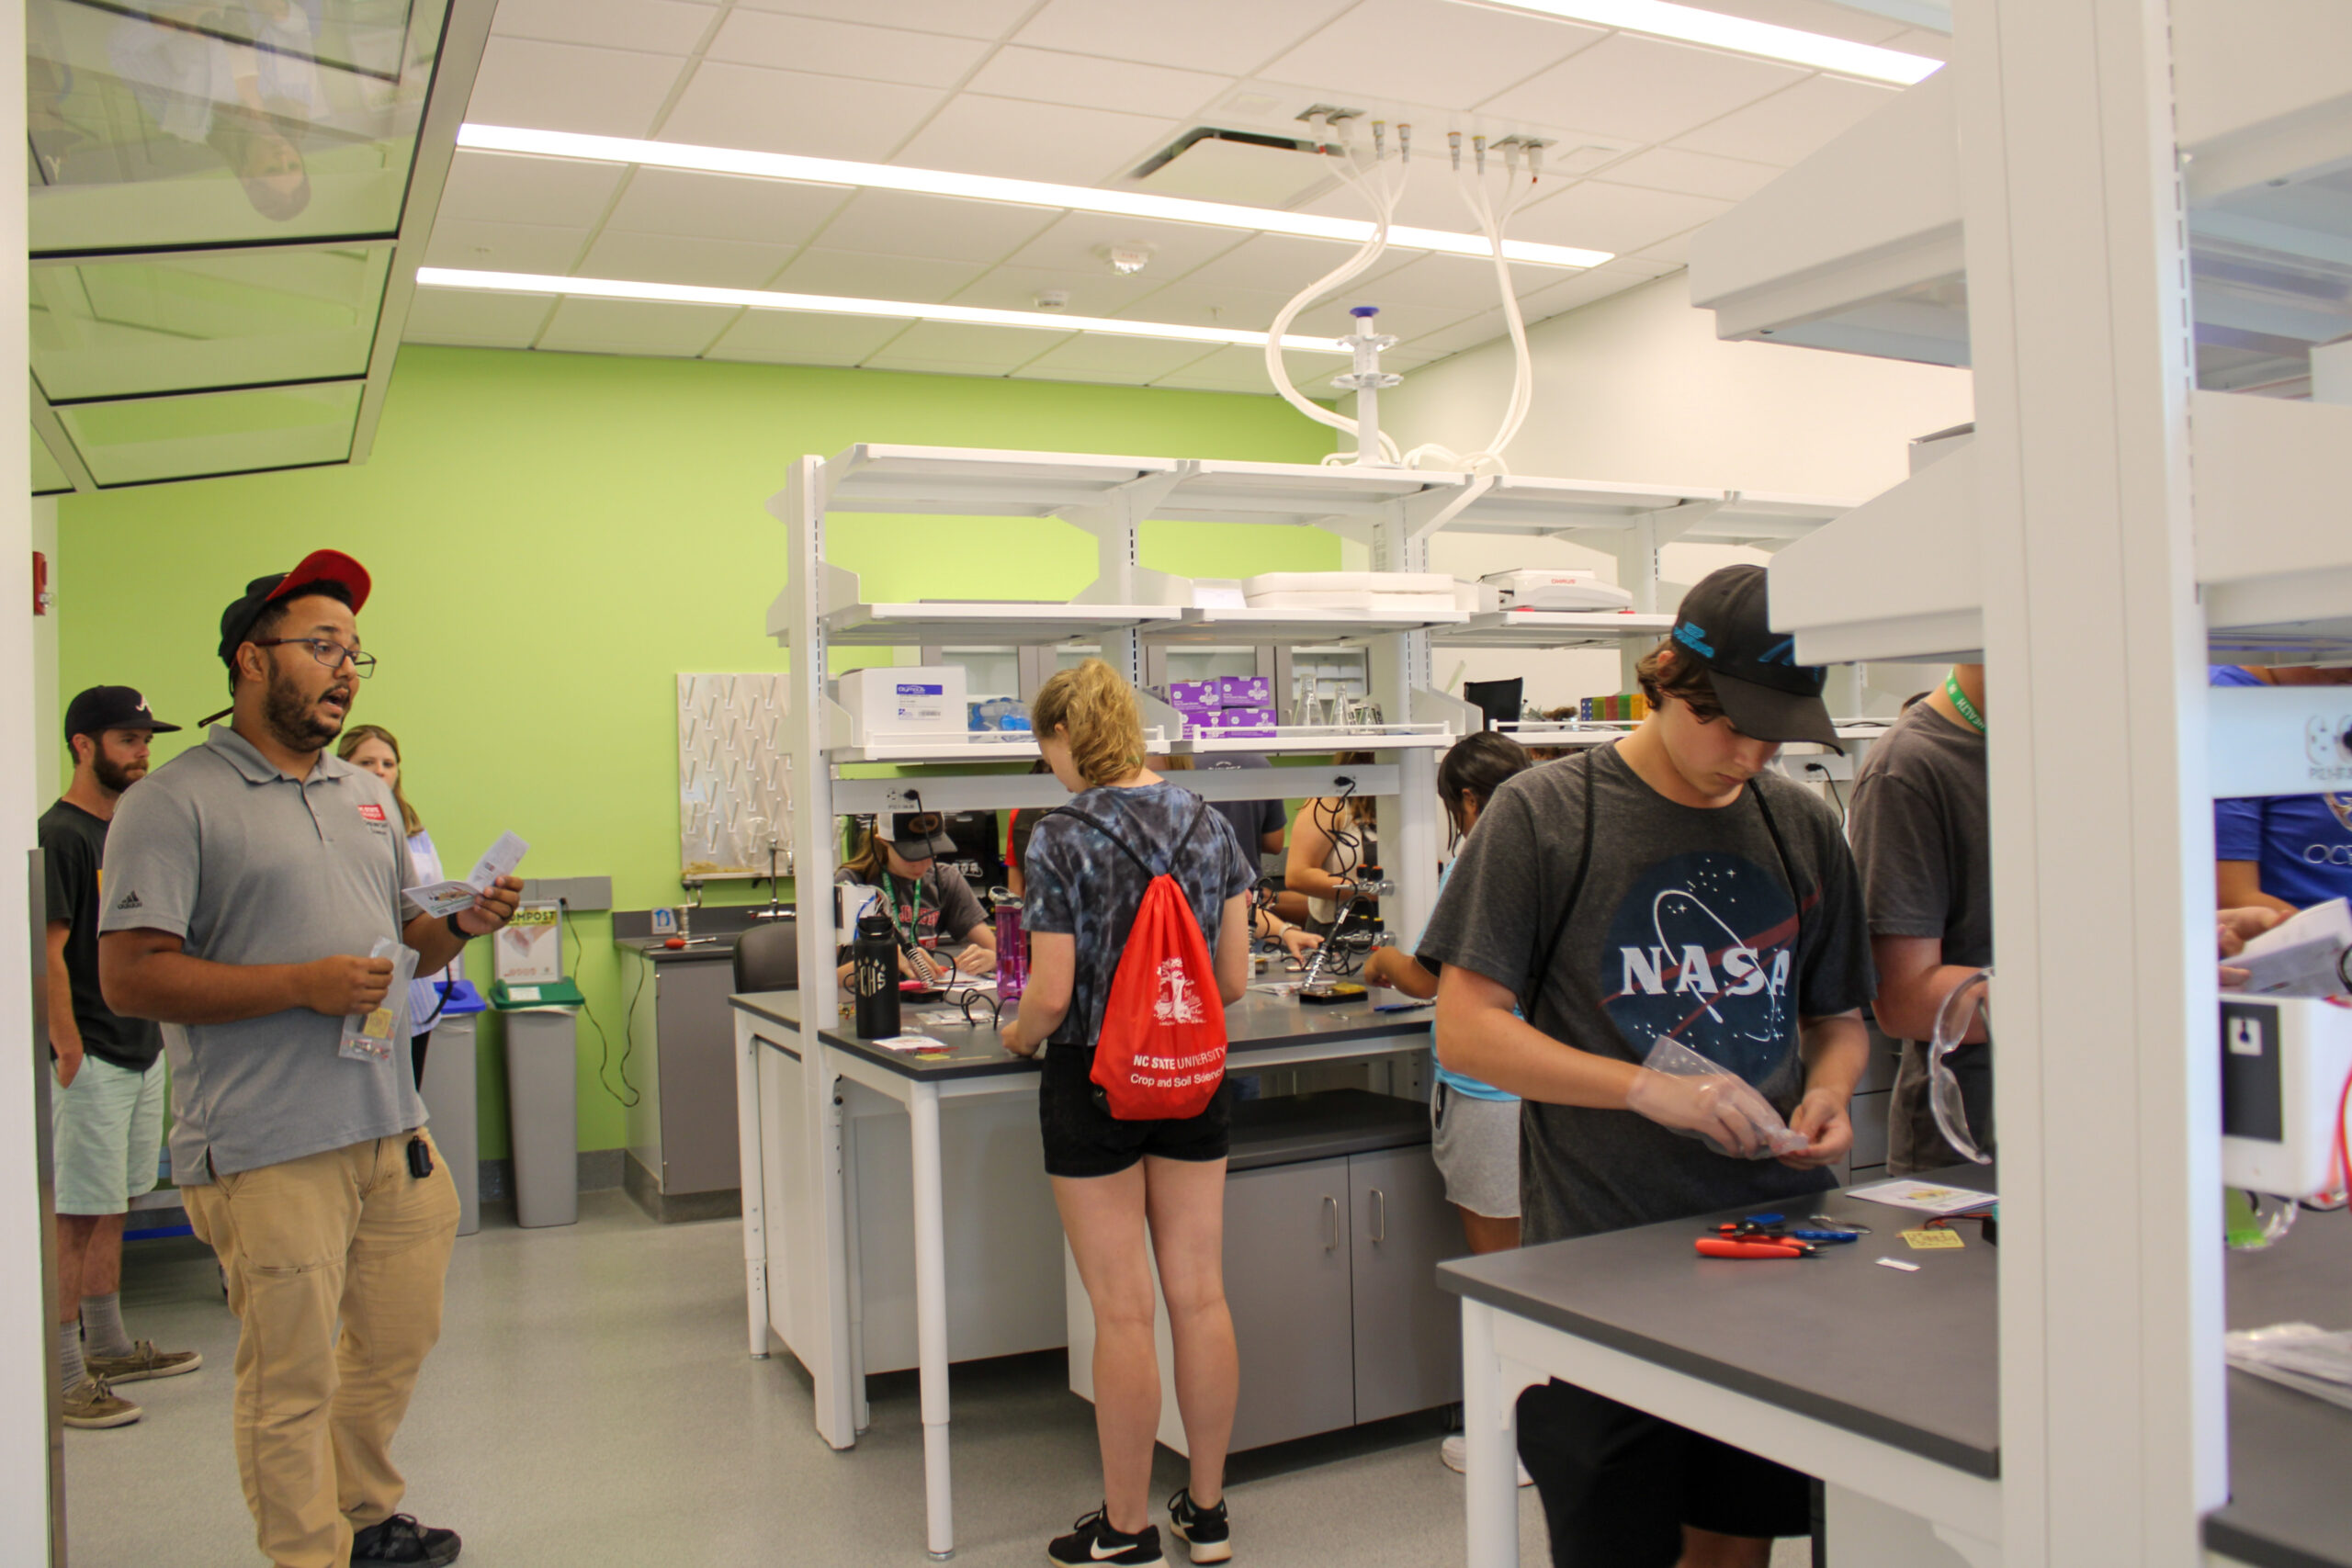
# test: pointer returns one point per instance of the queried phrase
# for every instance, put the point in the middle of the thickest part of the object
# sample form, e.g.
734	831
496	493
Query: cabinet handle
1379	1215
1331	1224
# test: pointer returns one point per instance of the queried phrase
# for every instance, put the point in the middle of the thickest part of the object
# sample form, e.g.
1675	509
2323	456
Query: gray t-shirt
1922	832
249	866
1719	928
1252	819
935	910
1082	885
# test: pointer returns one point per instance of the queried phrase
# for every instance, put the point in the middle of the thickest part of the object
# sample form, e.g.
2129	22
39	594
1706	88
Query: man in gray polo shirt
247	882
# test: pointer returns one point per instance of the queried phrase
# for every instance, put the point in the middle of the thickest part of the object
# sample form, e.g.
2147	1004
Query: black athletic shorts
1082	1138
1618	1484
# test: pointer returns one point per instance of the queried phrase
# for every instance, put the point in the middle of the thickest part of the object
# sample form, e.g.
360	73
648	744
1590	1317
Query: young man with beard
247	882
107	1109
1668	887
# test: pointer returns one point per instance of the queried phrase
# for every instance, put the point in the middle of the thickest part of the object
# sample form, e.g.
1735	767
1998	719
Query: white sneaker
1455	1452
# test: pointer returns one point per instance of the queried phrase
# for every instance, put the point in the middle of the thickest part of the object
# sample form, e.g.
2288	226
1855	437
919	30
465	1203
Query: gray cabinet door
1286	1280
1407	1332
697	1032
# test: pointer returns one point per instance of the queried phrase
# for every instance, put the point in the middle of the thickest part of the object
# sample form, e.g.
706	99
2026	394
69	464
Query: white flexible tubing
1384	207
1521	400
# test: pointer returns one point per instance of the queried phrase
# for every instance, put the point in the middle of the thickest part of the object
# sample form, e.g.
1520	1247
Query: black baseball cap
1723	625
102	708
318	566
916	835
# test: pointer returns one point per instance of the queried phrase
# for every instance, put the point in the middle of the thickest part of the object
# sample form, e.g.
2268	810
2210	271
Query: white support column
2111	1391
28	1451
801	508
1399	665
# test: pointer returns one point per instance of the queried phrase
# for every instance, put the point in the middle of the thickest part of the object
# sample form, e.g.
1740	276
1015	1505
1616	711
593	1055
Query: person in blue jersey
2283	851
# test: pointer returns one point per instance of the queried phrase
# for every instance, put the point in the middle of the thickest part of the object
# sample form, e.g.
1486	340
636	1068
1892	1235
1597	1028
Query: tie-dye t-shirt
1081	884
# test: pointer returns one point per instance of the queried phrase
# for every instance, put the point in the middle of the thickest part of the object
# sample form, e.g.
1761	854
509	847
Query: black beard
287	714
113	777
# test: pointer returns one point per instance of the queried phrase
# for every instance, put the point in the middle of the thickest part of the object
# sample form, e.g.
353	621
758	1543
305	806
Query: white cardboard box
904	699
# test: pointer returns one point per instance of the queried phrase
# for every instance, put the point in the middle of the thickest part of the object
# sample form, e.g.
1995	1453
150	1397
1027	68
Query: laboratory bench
897	1214
676	1049
1883	1383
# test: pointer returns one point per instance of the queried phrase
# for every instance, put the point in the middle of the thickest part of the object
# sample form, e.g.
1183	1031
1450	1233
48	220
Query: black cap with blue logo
1765	693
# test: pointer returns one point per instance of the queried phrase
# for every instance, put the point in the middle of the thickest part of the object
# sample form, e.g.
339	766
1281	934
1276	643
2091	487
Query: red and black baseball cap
318	566
1766	693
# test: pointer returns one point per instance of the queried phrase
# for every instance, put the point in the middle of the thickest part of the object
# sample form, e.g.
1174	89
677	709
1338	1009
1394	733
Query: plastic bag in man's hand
1686	1092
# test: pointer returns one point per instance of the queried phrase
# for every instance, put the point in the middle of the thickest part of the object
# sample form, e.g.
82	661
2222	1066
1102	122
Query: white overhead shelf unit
1553	629
1859	248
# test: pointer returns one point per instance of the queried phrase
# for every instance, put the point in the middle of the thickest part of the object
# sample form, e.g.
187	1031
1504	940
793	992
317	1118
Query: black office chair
767	957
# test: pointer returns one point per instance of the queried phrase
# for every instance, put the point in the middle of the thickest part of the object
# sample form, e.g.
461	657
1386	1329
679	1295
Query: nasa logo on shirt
1702	951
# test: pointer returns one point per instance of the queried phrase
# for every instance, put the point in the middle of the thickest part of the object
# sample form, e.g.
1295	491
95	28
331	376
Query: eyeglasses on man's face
329	653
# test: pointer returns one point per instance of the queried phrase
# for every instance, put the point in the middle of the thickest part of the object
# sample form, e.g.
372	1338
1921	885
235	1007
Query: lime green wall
554	537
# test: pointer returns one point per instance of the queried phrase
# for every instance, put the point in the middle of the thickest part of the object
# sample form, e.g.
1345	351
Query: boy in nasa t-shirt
1670	885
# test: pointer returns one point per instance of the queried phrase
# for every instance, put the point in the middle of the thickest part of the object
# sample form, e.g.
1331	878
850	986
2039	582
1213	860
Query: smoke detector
1125	259
1053	299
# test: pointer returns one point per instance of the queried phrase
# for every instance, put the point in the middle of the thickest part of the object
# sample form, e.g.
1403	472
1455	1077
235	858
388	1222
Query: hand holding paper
440	898
2300	956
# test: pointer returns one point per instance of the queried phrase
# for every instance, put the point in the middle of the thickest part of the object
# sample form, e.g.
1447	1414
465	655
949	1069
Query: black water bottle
874	978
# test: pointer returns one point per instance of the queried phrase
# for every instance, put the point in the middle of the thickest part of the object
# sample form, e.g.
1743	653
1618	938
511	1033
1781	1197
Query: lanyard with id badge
370	1036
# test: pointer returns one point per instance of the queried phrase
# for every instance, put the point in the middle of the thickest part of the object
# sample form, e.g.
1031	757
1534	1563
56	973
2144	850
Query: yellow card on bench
1932	1240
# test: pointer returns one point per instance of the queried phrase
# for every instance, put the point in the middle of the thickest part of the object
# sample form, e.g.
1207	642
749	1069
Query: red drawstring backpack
1161	1054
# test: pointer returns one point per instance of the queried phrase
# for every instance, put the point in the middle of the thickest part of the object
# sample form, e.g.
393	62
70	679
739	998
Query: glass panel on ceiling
115	329
213	432
49	475
166	122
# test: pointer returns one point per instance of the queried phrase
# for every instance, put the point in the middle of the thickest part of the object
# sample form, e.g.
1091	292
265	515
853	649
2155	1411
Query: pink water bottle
1012	951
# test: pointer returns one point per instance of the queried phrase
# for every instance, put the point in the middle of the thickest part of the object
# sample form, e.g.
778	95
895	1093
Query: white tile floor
591	1404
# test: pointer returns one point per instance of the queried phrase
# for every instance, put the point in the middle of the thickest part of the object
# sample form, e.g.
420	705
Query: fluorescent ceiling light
1692	24
988	188
831	305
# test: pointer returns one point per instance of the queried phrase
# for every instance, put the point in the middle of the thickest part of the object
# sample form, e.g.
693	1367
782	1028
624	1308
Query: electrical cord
604	1045
1831	780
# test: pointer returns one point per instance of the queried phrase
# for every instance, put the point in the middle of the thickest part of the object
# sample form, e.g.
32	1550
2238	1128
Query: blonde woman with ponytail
1083	891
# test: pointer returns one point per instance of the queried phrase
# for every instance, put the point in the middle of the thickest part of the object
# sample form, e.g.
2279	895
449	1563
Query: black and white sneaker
402	1539
1209	1531
1095	1541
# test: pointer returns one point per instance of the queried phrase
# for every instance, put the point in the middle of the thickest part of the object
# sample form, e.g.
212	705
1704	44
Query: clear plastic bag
370	1036
1725	1098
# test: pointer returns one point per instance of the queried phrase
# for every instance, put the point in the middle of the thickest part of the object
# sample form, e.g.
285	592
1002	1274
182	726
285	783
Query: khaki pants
347	1234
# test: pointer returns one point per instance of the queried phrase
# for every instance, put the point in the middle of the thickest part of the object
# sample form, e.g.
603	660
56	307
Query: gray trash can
542	1100
450	1099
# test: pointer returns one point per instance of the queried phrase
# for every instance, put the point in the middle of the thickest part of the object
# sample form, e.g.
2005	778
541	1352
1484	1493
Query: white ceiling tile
1429	53
963	349
1607	217
1046	77
794	111
1074	243
1456	284
1244	370
503	247
562	87
860	276
945	228
724	206
675	258
1190	303
504	188
657	27
965	18
845	49
1692	173
1484	327
1102	293
1130	359
1642	266
1583	290
794	337
475	320
1330	319
977	135
1642	89
1919	41
1672	251
1285	263
1234	37
634	326
1789	127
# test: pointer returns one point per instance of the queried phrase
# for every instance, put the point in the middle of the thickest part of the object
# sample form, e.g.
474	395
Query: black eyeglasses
331	654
